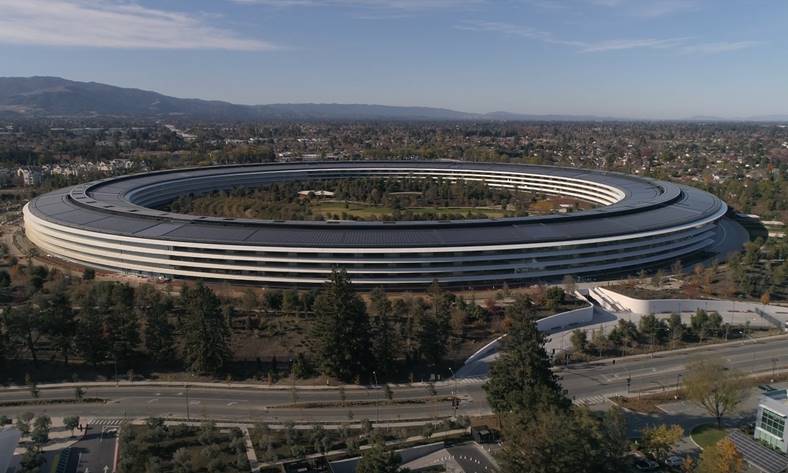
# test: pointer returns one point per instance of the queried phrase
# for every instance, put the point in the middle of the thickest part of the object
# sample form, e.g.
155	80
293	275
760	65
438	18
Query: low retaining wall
667	306
566	319
547	324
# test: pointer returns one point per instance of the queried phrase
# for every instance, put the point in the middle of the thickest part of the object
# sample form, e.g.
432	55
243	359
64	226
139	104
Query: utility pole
774	367
678	380
188	416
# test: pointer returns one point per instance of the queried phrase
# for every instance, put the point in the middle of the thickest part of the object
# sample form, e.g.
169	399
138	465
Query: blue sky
626	58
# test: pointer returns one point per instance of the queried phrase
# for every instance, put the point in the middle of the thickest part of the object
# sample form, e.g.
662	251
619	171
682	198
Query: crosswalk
111	421
470	380
594	400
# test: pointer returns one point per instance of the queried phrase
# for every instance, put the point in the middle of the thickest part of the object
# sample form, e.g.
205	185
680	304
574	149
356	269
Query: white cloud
582	46
410	5
112	24
638	8
683	45
720	47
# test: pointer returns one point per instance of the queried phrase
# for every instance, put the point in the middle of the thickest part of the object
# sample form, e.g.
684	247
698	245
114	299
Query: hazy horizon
631	59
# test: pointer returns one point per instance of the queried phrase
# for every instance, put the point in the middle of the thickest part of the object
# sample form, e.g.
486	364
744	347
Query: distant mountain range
54	96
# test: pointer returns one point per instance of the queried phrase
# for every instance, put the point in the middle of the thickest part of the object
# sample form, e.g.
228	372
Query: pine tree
521	378
340	335
122	324
59	323
91	341
384	338
206	335
159	338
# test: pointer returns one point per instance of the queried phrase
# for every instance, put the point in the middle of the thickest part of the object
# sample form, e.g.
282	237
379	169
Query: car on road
646	465
674	461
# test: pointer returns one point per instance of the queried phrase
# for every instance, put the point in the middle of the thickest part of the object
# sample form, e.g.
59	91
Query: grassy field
329	208
707	435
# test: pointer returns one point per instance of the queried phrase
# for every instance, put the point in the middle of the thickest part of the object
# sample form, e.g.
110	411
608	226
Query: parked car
674	461
646	465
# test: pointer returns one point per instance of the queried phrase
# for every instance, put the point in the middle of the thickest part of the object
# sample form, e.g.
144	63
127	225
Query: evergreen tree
24	329
340	335
91	340
521	378
435	327
206	335
122	324
159	337
59	323
385	342
377	460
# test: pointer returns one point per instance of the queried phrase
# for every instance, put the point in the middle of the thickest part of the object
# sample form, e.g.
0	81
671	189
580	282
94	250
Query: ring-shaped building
114	224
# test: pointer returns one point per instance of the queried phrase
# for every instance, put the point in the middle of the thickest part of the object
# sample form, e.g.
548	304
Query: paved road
585	382
95	452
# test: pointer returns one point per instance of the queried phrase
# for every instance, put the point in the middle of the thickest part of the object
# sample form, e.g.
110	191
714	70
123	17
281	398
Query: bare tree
713	386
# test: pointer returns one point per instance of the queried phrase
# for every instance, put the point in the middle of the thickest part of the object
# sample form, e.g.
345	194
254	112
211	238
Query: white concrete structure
771	419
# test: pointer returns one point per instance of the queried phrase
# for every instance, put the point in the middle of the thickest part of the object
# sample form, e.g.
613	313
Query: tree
377	460
71	423
558	441
653	328
24	329
713	386
579	340
122	325
554	297
31	460
41	425
676	327
625	333
521	378
159	337
385	342
723	457
340	335
182	461
569	284
88	274
36	277
434	326
206	335
59	323
659	440
5	279
91	341
23	422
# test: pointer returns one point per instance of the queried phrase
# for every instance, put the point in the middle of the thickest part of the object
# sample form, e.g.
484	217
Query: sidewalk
59	437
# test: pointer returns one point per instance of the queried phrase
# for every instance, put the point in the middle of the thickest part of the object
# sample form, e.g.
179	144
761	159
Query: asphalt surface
587	382
95	452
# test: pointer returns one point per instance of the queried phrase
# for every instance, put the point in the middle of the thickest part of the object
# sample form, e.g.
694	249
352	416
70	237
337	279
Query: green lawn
707	435
329	208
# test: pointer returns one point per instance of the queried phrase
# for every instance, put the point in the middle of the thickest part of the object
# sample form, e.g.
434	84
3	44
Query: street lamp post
774	367
454	399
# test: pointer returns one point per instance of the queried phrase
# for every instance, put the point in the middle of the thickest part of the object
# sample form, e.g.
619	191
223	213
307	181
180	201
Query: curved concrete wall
684	306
